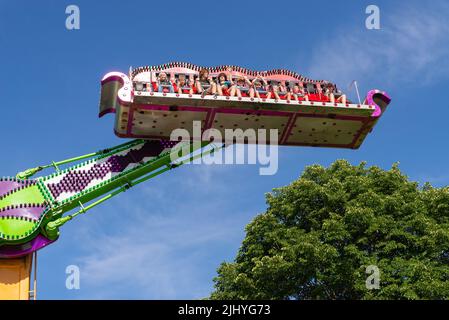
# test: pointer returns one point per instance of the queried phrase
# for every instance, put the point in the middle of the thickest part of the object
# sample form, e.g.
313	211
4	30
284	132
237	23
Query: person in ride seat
163	84
183	85
243	86
321	92
278	90
204	84
259	88
225	86
334	94
296	91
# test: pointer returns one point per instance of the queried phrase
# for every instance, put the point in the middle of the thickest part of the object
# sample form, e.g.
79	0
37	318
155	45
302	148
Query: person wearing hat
243	86
225	86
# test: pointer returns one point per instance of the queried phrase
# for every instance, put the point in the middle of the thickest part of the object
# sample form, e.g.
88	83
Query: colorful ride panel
31	211
143	113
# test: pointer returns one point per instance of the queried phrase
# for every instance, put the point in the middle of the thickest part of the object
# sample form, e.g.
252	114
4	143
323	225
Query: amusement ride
33	210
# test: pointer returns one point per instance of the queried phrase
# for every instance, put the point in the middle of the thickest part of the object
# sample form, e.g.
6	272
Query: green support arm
32	210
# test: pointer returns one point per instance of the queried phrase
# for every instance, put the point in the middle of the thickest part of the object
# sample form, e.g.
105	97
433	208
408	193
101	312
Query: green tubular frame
164	162
126	183
53	217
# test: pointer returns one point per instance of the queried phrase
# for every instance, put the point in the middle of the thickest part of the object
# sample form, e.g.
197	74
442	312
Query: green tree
320	233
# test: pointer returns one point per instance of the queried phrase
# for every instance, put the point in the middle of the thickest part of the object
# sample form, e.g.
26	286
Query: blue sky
165	239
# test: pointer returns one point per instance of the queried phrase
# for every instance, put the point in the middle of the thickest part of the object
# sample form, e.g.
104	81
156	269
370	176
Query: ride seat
310	88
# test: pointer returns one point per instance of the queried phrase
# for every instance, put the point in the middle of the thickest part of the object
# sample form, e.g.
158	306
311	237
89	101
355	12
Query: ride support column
15	277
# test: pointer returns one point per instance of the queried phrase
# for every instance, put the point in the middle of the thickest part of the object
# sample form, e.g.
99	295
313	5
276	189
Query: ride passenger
225	86
164	84
296	91
322	95
334	94
303	91
243	86
204	84
339	96
260	88
183	85
277	90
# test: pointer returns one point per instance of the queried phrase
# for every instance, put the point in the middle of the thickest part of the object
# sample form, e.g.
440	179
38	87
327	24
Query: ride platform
318	122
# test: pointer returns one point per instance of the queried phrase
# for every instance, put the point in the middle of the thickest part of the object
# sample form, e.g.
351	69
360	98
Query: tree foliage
320	233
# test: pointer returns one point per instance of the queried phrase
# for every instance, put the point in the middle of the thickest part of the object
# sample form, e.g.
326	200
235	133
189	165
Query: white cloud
410	49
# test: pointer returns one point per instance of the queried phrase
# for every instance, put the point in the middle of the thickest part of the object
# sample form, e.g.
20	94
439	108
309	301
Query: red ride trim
154	85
